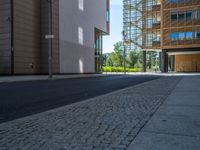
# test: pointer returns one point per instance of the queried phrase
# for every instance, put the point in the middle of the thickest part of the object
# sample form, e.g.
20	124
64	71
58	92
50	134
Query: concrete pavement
21	78
176	124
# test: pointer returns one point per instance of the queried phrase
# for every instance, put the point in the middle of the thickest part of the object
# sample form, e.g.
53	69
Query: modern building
77	26
171	27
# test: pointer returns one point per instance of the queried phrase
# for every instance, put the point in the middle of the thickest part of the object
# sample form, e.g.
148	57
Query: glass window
189	15
181	36
198	14
81	5
149	23
181	16
174	36
189	35
174	17
197	35
108	16
172	1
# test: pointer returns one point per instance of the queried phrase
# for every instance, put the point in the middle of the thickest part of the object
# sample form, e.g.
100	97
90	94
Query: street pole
124	55
124	59
50	39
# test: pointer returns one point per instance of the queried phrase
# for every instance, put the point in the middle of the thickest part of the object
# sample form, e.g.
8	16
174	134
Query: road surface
20	99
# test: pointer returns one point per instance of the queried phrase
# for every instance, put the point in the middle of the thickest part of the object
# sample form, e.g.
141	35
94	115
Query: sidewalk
4	79
45	77
116	121
176	125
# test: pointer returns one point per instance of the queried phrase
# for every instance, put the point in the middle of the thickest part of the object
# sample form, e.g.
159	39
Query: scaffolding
141	20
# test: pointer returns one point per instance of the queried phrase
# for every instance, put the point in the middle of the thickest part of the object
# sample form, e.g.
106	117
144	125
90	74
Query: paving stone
110	122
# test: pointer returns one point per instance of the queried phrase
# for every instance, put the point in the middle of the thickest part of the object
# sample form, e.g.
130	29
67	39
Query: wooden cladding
30	27
5	36
187	63
26	36
180	17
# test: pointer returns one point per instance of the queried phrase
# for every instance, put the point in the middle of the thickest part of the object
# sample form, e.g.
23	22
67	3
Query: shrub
119	69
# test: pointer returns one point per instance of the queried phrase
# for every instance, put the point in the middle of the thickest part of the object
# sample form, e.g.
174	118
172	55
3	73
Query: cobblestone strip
106	122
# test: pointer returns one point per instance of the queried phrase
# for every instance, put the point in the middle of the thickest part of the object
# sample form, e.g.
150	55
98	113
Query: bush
119	69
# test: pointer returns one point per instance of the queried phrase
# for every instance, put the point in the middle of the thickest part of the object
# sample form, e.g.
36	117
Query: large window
181	16
172	1
189	35
182	36
186	15
197	35
177	1
174	16
174	36
98	50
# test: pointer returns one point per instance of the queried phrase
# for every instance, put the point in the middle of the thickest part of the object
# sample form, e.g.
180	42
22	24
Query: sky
116	26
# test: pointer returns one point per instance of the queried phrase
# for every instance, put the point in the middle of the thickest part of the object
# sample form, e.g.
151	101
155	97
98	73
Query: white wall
77	24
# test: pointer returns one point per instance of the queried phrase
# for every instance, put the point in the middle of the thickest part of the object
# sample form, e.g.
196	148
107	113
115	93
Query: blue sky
116	25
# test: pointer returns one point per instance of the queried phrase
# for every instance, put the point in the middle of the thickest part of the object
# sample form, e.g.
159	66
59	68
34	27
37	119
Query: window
108	16
174	17
181	16
197	35
149	37
181	35
188	15
172	1
149	4
198	14
80	35
81	5
189	35
149	23
174	36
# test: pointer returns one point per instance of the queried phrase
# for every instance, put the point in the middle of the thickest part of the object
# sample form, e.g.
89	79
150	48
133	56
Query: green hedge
119	69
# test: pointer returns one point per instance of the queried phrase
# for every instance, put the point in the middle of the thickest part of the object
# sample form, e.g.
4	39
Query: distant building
171	27
77	26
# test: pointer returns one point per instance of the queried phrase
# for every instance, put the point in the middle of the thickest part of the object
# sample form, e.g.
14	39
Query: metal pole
144	61
124	59
124	55
50	39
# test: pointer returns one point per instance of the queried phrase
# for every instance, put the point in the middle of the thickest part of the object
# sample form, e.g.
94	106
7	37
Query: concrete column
160	61
172	63
164	61
144	61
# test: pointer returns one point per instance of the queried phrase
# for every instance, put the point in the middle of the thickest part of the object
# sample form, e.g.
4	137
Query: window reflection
81	5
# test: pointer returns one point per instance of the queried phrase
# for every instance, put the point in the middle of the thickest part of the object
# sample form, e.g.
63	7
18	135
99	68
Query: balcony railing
156	25
156	7
156	44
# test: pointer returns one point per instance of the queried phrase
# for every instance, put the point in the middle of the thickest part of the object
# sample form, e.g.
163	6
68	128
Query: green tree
116	58
133	58
118	54
109	61
151	59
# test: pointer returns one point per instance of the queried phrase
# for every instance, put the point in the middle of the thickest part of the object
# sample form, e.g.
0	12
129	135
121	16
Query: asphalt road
21	99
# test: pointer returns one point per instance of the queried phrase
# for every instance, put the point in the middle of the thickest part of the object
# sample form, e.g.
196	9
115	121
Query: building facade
77	26
170	27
